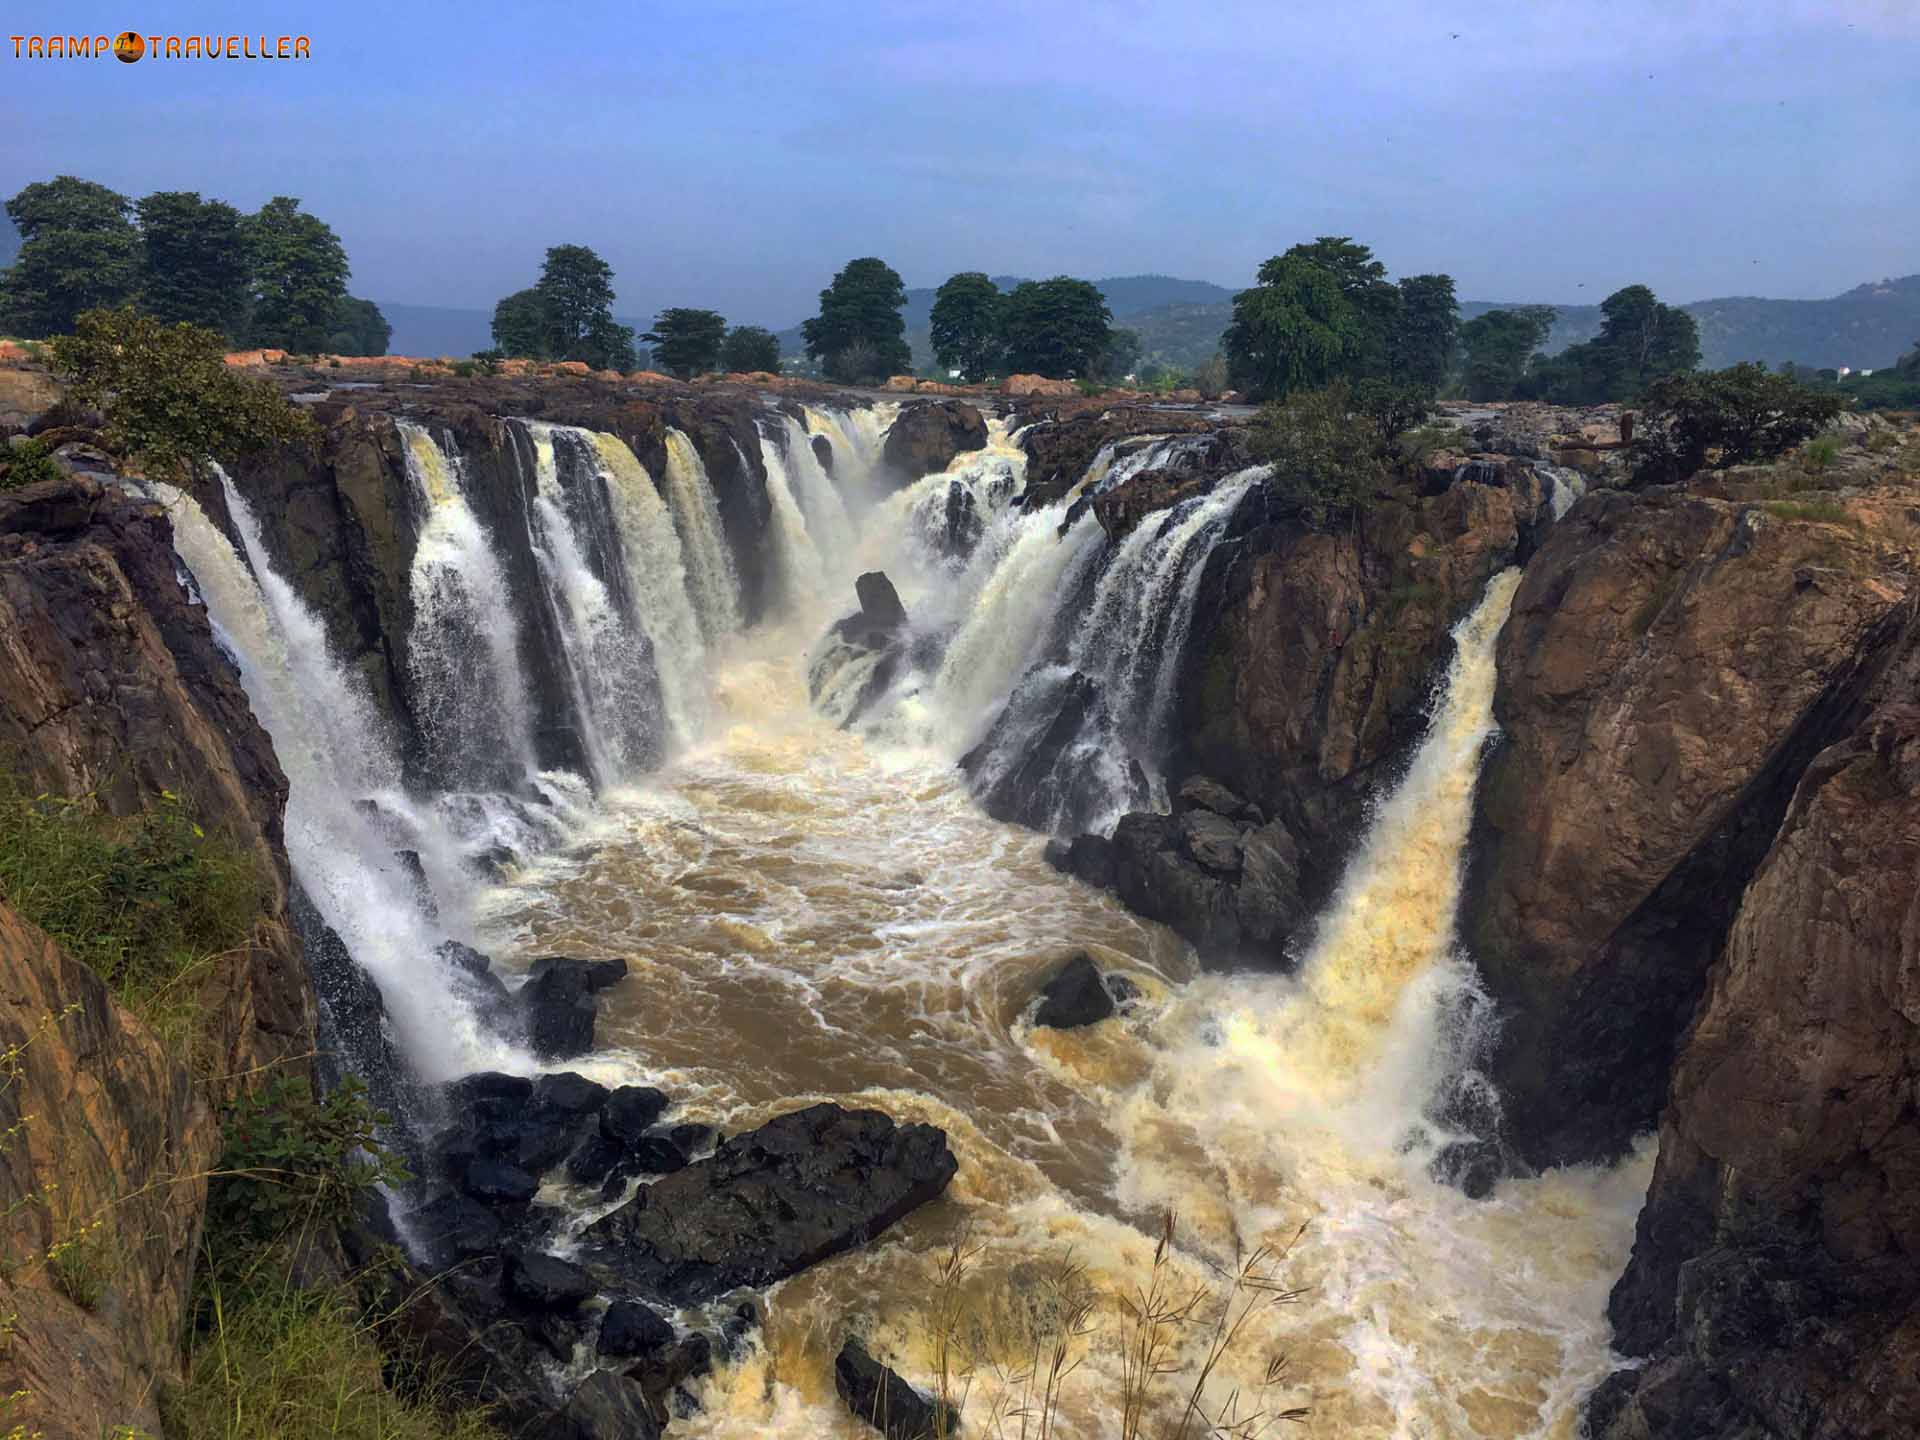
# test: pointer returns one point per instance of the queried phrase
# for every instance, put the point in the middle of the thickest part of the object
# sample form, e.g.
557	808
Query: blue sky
734	155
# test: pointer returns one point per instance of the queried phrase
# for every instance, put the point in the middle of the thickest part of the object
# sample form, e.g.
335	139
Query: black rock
536	1142
657	1374
557	1003
630	1330
880	602
1059	854
1199	793
823	452
1076	995
464	958
1090	858
630	1111
416	873
655	1155
545	1282
569	1093
594	1161
769	1203
690	1137
489	1095
457	1226
494	1182
607	1406
1123	990
881	1398
1212	840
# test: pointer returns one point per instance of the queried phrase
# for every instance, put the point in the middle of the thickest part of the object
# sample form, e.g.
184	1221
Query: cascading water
713	583
347	814
464	649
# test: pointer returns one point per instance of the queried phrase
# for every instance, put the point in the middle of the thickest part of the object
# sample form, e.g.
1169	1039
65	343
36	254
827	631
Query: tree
1293	330
520	326
1724	418
358	329
299	270
194	264
1426	328
576	299
169	397
1363	283
1056	327
966	324
687	342
861	306
78	250
1122	354
856	363
1640	341
1499	347
748	348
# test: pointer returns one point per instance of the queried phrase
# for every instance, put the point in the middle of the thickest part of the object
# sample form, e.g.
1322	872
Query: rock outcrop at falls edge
112	686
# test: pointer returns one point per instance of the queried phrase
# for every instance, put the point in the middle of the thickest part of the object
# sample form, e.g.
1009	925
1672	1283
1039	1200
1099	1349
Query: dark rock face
1038	763
630	1330
926	436
878	628
558	1006
544	1282
881	1398
1079	994
1673	662
1059	454
769	1203
1230	886
1775	1279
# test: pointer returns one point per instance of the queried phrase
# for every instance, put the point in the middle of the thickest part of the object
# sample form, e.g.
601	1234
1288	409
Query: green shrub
293	1160
169	397
1818	455
1738	416
1327	455
1823	512
27	464
146	901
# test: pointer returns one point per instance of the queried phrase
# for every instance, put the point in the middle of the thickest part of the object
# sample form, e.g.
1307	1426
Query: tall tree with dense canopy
1295	329
861	308
1121	355
966	324
576	297
1426	328
78	250
687	342
748	348
359	329
1058	327
299	271
520	326
1375	303
1640	341
194	264
1499	346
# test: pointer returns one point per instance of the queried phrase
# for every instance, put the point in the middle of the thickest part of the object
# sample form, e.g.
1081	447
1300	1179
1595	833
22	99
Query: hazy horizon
734	156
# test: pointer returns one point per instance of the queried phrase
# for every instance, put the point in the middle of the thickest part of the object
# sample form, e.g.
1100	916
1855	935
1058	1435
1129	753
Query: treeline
274	278
568	315
1896	387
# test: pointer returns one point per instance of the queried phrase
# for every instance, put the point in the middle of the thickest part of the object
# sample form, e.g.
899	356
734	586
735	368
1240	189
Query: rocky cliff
111	685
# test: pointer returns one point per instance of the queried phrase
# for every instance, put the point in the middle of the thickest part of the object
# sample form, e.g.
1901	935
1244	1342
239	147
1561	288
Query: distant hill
1180	322
9	240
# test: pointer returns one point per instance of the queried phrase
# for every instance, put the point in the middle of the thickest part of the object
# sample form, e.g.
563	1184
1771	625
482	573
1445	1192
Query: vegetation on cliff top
1719	419
274	278
858	333
566	315
169	398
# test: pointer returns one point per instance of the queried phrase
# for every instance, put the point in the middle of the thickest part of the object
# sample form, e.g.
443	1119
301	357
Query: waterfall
858	438
1010	620
463	652
1136	630
696	514
346	811
1358	1044
657	575
820	501
803	571
609	661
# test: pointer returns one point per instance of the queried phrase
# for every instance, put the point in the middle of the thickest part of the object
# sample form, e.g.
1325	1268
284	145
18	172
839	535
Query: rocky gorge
1683	879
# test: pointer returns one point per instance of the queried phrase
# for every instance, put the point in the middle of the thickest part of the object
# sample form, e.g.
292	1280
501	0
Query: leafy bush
293	1160
146	902
1396	409
1723	418
169	398
1327	454
27	464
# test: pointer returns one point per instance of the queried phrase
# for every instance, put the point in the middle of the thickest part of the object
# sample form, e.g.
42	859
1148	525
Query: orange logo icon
129	46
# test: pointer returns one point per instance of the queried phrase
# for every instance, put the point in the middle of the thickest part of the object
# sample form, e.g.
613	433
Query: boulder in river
769	1203
925	437
889	1404
558	1005
1079	994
